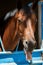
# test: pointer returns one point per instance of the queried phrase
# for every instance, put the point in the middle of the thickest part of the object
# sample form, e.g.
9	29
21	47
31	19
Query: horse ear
19	4
33	5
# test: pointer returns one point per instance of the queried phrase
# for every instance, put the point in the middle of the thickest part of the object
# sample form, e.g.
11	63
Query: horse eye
19	21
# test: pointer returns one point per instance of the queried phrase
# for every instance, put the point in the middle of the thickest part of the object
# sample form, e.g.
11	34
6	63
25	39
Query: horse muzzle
29	45
28	48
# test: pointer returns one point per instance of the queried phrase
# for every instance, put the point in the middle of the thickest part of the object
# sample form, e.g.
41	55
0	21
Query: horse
21	25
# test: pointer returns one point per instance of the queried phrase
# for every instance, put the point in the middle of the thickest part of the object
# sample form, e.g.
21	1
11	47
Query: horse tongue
28	56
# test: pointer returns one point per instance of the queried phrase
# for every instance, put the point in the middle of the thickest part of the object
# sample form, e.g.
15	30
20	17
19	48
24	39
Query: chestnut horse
21	26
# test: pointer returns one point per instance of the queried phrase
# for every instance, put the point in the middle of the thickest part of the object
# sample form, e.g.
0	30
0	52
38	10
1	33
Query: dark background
7	5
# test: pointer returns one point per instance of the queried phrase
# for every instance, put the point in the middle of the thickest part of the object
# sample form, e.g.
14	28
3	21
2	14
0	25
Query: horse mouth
28	51
28	48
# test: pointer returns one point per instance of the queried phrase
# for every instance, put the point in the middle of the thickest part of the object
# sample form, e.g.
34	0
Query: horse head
27	19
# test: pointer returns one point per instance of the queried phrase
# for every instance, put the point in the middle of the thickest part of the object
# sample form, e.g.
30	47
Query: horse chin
28	55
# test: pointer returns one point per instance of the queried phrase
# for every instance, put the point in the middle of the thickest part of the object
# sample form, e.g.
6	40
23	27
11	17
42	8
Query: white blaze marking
31	30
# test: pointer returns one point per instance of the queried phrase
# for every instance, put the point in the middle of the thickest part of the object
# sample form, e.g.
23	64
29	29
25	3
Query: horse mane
10	14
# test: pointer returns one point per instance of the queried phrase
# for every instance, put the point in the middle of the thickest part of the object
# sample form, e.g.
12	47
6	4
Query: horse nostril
26	42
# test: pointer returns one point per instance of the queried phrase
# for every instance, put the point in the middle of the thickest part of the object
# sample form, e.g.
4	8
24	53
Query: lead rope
17	46
1	43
